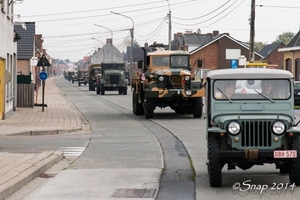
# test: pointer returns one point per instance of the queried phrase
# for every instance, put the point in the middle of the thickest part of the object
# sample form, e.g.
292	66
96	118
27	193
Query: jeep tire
294	173
102	91
214	166
98	88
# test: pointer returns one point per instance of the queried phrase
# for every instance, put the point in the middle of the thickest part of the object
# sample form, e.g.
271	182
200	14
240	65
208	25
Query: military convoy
164	82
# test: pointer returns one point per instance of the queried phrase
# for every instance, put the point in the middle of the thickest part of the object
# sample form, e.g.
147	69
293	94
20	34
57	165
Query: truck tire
198	107
149	108
93	86
125	90
79	84
102	91
214	166
90	85
294	173
137	107
98	88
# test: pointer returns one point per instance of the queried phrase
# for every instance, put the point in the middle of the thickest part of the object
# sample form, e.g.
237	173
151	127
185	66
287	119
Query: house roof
26	45
193	40
293	45
269	49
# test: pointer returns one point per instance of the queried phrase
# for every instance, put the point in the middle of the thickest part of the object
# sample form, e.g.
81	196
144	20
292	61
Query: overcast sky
67	26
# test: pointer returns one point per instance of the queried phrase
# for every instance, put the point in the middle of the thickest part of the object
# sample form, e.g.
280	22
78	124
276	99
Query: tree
285	38
258	46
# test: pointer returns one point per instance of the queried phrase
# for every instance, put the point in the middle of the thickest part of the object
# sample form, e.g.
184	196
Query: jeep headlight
278	127
161	78
187	78
234	128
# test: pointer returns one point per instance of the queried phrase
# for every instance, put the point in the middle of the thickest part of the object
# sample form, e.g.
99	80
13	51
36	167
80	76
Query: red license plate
285	154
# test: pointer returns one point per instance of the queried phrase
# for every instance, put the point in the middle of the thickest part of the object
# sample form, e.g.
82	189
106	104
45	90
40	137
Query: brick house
213	49
272	56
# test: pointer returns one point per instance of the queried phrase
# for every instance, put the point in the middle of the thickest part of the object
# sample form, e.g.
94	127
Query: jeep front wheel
214	166
102	91
294	173
149	108
197	107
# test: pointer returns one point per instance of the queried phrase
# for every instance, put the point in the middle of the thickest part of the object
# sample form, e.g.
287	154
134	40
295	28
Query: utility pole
252	31
170	26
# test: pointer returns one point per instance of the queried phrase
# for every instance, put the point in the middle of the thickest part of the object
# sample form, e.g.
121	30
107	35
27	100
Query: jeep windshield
252	89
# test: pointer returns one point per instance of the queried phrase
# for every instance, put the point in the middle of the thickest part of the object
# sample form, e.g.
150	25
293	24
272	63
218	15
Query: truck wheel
120	91
137	107
102	89
125	90
189	110
90	85
295	162
214	166
149	108
93	86
98	88
197	107
79	84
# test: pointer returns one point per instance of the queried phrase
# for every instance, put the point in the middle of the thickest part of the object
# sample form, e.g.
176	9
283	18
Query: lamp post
102	48
112	49
132	35
170	25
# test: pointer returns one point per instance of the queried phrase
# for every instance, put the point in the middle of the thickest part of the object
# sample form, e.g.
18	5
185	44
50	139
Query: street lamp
131	31
98	40
170	25
112	49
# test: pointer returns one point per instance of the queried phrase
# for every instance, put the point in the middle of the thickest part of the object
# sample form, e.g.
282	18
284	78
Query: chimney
199	31
108	40
188	32
215	33
177	35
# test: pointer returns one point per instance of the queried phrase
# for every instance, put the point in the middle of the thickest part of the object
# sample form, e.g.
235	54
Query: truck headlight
187	78
233	128
278	127
161	78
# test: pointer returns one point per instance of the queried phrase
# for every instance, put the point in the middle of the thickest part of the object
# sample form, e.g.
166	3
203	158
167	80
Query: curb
17	182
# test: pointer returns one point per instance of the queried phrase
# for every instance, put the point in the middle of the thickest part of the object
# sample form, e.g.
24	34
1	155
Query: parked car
297	93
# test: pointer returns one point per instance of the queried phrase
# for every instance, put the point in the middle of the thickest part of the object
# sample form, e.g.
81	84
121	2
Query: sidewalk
59	117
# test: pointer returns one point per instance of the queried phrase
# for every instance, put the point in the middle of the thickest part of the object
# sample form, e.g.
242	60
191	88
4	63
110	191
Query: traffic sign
234	63
43	61
43	76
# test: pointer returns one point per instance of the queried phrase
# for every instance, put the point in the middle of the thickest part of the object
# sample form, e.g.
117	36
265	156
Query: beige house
292	56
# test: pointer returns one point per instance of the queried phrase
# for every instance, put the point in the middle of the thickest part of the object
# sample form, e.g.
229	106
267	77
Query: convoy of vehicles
164	80
247	128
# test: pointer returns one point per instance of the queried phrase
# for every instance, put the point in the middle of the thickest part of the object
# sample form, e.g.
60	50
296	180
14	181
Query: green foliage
258	46
285	38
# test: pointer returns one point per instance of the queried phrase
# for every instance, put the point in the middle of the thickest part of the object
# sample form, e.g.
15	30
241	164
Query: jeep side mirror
199	63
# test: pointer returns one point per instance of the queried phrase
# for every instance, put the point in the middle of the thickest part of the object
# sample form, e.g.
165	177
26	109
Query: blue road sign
234	63
43	76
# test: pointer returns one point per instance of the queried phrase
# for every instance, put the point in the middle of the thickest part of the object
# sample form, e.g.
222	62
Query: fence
25	95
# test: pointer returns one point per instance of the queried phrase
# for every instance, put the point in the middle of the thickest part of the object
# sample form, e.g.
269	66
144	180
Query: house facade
291	59
8	60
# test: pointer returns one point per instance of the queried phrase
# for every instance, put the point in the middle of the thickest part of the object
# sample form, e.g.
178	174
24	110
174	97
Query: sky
68	26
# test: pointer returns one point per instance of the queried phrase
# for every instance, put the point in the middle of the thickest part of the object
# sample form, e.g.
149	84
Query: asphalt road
172	146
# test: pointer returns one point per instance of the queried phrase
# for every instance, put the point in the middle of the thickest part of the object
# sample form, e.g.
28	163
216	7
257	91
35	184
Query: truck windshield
158	61
266	89
179	61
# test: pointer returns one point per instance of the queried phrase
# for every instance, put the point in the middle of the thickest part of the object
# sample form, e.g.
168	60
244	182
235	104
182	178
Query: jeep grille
256	134
114	79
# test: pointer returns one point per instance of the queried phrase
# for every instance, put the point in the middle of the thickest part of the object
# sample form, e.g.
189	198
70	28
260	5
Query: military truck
165	80
250	121
113	78
94	72
74	76
83	77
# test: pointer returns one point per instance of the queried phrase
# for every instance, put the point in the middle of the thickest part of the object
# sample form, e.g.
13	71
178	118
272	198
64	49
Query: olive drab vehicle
113	78
74	77
250	121
83	77
94	73
165	80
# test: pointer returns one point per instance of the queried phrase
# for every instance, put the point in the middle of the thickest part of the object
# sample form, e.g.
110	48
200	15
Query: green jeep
250	121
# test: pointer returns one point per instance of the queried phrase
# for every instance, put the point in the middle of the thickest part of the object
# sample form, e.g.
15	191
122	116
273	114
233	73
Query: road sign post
43	76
